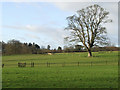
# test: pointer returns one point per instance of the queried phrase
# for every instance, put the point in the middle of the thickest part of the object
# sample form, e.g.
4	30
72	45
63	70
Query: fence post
32	64
47	64
78	63
106	62
25	64
2	65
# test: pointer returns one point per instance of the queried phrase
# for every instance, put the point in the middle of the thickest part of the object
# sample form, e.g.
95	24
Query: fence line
63	64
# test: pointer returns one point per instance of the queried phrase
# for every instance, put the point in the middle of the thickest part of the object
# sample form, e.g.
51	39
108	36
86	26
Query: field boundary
63	64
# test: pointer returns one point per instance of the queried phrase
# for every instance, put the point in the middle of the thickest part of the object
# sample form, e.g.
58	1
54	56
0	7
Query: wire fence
63	64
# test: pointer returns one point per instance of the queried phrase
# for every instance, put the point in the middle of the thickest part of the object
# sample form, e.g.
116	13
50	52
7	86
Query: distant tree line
108	48
16	47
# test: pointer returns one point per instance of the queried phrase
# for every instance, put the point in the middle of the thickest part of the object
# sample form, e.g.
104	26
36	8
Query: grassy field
99	75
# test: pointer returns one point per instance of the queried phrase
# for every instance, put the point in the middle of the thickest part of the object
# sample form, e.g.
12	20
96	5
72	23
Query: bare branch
87	25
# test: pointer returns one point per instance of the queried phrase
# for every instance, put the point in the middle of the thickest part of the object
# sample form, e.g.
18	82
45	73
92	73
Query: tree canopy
86	26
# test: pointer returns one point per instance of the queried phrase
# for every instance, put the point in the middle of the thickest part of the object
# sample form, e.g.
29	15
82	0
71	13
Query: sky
44	22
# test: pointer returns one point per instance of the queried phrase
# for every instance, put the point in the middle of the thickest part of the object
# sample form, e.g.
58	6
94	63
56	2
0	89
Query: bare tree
86	27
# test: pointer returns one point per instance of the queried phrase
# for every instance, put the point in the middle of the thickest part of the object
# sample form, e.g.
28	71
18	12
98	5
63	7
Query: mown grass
83	76
61	57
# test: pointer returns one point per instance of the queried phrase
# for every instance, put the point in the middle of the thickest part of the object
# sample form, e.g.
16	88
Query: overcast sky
44	22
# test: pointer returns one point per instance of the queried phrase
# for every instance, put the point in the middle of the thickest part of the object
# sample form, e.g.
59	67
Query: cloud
71	6
27	27
33	36
53	34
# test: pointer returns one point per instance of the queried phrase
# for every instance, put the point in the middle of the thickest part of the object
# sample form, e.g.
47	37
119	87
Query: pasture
102	73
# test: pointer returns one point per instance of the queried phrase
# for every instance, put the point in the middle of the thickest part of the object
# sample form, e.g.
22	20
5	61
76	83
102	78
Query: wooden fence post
25	64
47	64
32	64
106	62
2	65
78	63
91	63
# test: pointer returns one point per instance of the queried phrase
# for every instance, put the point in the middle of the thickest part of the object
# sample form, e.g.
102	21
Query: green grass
71	76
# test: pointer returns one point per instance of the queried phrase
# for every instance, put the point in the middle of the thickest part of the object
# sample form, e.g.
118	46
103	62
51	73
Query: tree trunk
89	53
